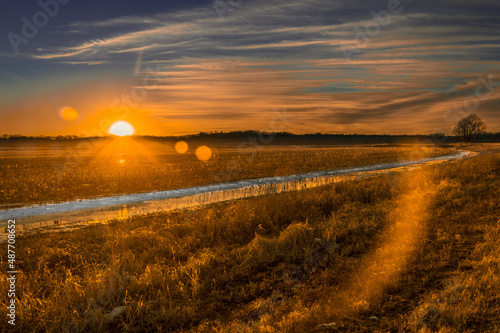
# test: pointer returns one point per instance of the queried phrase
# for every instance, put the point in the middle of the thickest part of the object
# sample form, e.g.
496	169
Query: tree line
467	129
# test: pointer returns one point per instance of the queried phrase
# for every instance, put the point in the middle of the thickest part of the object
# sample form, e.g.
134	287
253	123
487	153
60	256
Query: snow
124	206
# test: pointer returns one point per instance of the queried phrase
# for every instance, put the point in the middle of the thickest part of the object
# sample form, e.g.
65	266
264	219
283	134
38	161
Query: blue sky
399	67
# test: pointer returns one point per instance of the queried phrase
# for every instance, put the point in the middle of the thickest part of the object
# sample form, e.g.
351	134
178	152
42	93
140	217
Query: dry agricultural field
413	251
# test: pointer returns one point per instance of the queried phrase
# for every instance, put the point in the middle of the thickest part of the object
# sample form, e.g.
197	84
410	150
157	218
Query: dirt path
100	209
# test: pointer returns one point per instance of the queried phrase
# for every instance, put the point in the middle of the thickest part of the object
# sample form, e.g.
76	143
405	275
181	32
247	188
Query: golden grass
470	299
110	169
387	247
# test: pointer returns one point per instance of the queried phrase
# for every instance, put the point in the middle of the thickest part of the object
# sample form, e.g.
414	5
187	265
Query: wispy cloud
266	55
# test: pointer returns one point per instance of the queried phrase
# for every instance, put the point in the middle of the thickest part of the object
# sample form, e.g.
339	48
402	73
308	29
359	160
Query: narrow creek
74	213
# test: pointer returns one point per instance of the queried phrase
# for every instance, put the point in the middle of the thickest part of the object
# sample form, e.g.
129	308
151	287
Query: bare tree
469	127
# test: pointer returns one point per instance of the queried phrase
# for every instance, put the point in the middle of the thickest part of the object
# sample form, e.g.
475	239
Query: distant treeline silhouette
249	138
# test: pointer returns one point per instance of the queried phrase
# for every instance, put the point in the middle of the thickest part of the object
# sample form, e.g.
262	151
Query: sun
121	128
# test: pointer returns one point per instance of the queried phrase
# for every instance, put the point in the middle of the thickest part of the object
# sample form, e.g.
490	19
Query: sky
308	66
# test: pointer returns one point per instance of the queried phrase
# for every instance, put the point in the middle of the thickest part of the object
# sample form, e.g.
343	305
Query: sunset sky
178	67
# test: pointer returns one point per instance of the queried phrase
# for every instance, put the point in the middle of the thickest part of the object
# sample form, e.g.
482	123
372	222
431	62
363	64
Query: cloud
288	30
404	70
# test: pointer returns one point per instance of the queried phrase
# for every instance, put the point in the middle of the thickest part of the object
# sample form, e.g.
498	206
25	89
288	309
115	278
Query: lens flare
382	268
203	153
181	147
68	113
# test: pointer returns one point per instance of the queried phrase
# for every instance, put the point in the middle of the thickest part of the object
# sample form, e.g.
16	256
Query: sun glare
181	147
68	113
203	153
121	128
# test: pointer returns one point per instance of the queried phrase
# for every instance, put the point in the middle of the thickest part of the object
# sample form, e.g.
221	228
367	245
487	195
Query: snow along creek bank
74	213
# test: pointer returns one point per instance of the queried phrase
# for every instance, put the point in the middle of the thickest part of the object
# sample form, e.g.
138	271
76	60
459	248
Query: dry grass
115	167
393	247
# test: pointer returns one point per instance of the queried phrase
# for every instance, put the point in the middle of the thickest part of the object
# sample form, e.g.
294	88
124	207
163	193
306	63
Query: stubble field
415	251
65	171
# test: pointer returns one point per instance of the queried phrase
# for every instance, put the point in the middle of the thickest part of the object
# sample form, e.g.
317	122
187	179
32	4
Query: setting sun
121	128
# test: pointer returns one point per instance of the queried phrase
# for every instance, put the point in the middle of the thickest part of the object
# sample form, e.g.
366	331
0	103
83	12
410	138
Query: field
67	171
407	252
